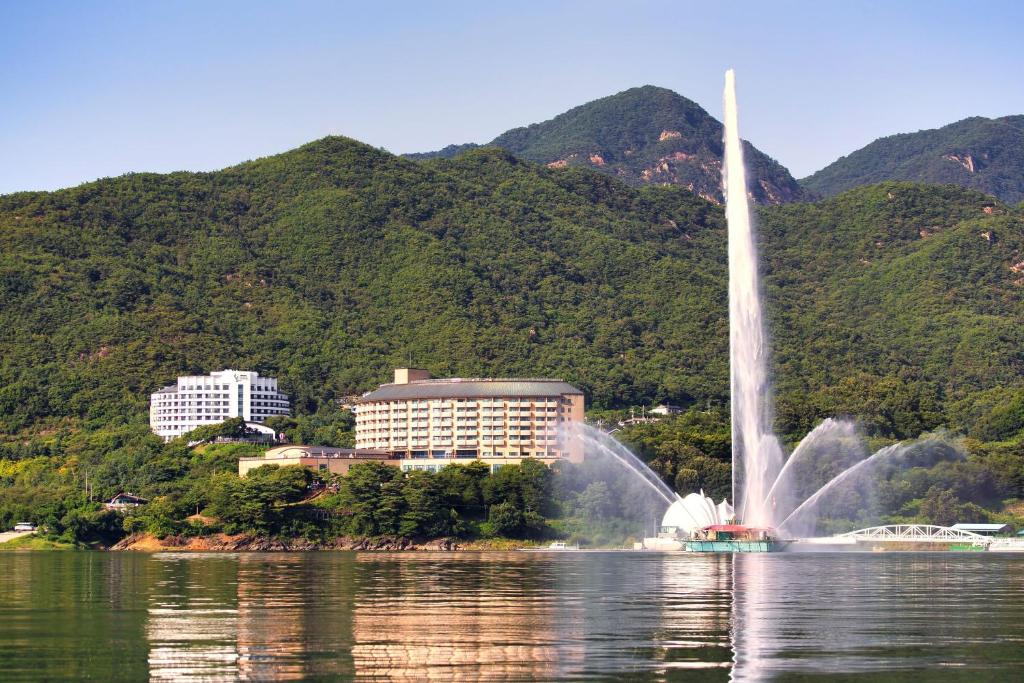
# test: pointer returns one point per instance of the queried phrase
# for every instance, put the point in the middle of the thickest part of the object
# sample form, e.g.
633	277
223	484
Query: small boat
558	546
562	545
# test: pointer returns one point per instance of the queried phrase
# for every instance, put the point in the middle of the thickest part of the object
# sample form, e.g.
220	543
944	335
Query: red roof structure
733	528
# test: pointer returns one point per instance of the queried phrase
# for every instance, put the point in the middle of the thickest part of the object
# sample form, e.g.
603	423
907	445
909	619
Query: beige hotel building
427	423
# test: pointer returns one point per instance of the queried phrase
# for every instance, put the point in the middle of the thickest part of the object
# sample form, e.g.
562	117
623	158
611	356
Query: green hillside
899	296
898	304
979	153
643	136
331	264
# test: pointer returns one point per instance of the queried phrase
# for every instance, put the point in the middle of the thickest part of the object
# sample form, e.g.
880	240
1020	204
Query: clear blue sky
98	89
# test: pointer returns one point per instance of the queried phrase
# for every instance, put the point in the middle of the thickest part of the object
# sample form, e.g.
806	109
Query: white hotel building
197	400
425	423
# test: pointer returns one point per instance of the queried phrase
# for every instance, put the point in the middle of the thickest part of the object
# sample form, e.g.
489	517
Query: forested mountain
643	136
899	304
331	264
979	153
904	297
328	265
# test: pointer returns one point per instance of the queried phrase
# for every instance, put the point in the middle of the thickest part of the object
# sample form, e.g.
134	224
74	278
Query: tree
535	482
506	519
687	480
425	514
231	428
595	502
256	503
940	506
371	497
462	488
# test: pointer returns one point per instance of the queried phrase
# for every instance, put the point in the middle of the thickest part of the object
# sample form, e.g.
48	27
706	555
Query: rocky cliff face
644	136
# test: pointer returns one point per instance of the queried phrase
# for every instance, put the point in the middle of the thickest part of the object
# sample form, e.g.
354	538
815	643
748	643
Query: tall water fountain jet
829	482
756	453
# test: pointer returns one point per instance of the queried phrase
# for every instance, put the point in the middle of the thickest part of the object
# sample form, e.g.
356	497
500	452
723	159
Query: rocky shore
252	543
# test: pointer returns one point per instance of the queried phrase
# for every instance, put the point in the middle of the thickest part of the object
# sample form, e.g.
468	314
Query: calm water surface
510	616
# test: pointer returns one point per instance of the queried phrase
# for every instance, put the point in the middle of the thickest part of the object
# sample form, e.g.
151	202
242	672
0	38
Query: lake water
511	616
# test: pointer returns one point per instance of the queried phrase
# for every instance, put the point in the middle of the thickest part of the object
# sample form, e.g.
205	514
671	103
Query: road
11	535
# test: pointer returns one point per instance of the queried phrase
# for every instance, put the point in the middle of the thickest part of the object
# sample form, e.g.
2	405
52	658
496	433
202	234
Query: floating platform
732	538
733	546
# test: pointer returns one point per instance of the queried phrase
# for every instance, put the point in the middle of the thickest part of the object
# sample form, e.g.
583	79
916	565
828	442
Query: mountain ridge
980	153
644	135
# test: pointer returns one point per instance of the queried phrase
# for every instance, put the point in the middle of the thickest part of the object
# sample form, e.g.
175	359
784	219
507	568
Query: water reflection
878	616
459	619
193	618
250	617
513	616
539	616
291	614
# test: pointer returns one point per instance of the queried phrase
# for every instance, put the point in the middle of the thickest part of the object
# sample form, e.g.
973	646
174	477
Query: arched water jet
809	504
783	496
594	439
899	457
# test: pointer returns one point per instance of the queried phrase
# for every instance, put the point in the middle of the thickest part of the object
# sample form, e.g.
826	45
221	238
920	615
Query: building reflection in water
439	616
456	617
540	616
193	618
249	617
295	616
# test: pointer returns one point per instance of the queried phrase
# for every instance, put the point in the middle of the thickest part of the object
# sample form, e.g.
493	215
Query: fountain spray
756	453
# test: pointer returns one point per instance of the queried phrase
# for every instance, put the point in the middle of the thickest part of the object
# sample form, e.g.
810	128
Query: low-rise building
665	409
197	400
123	501
997	529
322	459
427	423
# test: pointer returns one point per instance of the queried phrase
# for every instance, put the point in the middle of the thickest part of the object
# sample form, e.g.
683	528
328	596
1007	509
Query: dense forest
642	136
979	153
897	304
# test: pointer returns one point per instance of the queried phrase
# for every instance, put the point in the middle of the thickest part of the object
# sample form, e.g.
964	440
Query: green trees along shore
195	491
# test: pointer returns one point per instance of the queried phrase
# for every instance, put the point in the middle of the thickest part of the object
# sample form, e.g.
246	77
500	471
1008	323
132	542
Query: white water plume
756	453
830	460
828	449
851	496
597	444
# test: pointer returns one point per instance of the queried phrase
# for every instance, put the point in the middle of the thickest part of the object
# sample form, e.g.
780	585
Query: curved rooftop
301	451
696	511
471	388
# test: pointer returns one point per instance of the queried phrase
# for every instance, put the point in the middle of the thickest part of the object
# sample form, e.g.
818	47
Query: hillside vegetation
899	304
329	265
979	153
643	136
332	264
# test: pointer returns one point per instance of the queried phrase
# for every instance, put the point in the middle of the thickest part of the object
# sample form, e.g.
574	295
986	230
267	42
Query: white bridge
905	534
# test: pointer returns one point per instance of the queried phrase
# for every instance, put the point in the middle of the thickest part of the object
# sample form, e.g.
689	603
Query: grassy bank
35	542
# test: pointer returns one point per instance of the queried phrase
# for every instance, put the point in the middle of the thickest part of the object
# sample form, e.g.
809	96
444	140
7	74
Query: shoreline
233	543
252	543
